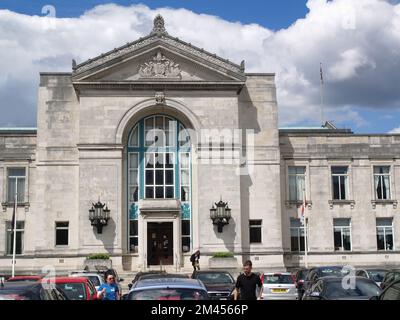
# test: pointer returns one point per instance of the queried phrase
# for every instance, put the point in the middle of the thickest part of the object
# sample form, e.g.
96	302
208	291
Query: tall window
19	247
340	183
16	182
159	167
382	182
384	233
62	233
297	236
297	178
342	234
255	231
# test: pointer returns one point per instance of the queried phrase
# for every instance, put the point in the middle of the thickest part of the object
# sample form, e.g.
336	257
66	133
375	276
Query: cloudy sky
357	42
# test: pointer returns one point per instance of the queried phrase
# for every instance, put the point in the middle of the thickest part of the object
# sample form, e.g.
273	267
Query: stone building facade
97	141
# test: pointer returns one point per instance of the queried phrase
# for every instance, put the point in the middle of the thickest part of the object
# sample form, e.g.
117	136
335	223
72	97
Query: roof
169	283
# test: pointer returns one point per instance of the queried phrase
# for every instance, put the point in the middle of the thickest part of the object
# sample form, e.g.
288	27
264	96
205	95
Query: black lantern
220	214
99	215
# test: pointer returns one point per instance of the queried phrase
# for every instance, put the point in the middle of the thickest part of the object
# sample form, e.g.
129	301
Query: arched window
159	167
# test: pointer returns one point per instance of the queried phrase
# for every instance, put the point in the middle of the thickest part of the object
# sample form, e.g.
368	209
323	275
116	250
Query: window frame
348	193
307	184
341	234
9	229
61	228
392	191
384	233
253	227
299	236
296	175
10	166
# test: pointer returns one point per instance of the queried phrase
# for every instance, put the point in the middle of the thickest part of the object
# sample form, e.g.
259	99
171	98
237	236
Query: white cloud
358	42
395	131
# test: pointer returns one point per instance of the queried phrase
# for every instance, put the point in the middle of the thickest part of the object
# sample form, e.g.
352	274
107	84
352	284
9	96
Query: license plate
280	290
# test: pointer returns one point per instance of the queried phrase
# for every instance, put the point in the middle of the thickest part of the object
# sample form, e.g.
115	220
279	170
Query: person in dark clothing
247	284
194	259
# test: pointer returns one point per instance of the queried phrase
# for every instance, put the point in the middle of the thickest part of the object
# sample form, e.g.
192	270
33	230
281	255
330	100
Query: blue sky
273	14
291	38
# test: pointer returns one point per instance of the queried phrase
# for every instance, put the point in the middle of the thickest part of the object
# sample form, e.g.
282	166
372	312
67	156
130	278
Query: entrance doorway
160	243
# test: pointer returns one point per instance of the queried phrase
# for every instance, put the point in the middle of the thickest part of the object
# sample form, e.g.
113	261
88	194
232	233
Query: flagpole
322	95
14	230
305	231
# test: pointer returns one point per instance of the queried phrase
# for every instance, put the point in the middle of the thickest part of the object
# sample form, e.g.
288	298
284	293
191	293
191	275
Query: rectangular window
19	247
382	182
185	176
185	235
297	236
384	234
342	234
340	183
62	233
133	177
159	176
297	178
255	231
16	184
133	236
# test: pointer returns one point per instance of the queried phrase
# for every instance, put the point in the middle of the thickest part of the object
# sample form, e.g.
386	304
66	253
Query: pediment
158	58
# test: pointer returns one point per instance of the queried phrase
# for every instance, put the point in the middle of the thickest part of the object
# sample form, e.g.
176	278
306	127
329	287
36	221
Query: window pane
384	222
149	192
62	237
169	192
159	177
159	160
389	238
346	239
184	157
169	177
169	160
133	178
255	234
185	195
380	238
335	186
185	244
294	241
159	192
133	161
133	194
338	239
16	172
381	169
134	139
11	189
149	160
133	244
255	222
186	227
62	224
343	188
185	177
133	230
149	177
341	222
339	170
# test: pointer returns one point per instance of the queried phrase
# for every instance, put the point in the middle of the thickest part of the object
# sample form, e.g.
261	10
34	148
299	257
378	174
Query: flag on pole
321	73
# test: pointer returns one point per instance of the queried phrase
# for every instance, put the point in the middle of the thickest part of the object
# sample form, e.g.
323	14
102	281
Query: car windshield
303	274
278	279
327	272
360	288
210	278
168	294
73	291
377	275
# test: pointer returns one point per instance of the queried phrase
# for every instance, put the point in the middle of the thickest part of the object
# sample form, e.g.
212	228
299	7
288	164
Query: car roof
19	285
25	277
169	282
210	271
86	274
68	279
277	273
336	278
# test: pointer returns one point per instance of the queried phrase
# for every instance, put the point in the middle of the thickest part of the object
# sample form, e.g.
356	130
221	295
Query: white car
279	286
95	278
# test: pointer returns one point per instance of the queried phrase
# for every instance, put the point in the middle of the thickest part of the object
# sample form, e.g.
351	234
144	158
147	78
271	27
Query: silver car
279	286
96	278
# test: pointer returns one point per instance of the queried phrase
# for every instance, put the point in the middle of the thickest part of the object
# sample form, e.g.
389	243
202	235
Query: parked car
141	274
29	291
168	289
390	276
279	286
299	278
376	275
96	279
75	288
332	288
319	272
391	292
219	284
25	279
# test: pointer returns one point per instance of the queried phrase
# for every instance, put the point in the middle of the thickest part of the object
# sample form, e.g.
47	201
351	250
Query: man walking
247	284
194	259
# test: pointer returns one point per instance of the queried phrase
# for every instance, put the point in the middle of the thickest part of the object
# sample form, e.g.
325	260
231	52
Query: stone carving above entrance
160	67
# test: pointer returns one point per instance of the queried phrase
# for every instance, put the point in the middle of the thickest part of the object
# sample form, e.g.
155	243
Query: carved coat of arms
160	67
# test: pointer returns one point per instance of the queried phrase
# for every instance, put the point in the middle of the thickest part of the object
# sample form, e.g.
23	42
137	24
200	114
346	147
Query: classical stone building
138	130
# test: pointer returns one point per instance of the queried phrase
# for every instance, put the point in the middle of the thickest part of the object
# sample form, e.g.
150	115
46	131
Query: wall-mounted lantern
99	215
220	215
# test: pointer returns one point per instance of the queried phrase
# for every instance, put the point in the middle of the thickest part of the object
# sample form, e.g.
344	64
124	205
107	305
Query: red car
25	278
75	288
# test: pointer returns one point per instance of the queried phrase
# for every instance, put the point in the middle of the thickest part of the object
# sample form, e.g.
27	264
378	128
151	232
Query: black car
332	288
390	276
30	291
219	284
299	280
141	274
391	292
319	272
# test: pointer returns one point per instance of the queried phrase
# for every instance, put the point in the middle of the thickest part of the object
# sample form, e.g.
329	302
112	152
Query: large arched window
159	167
